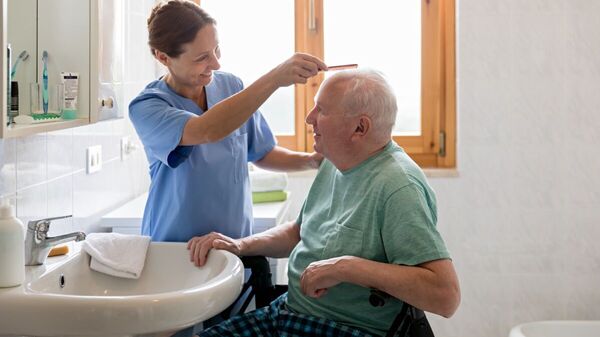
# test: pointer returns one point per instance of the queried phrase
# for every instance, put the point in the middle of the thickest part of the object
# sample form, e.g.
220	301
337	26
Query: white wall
523	219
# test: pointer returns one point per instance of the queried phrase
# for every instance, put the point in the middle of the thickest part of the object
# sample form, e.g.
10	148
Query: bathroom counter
127	219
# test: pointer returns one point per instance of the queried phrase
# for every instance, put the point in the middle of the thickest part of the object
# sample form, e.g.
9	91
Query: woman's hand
199	246
316	160
297	69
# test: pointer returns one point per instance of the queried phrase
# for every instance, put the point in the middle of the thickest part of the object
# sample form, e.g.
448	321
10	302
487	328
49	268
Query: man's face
332	130
194	67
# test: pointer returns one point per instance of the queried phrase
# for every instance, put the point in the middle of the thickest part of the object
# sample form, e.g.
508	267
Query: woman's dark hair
175	23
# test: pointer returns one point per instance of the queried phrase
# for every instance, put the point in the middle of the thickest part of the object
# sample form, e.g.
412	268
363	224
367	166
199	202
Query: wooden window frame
438	84
436	146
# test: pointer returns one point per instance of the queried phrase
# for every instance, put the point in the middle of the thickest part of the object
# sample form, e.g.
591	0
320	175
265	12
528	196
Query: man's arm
431	286
282	159
278	241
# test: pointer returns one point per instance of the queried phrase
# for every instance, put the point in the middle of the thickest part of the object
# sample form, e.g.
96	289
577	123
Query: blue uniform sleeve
160	127
260	138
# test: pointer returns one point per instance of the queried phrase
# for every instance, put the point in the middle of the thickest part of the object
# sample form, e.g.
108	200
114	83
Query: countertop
128	218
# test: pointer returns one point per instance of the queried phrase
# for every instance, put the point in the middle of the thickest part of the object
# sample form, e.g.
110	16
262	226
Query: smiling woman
200	127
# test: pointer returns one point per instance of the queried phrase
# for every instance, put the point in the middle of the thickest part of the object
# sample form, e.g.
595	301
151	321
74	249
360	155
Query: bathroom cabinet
75	34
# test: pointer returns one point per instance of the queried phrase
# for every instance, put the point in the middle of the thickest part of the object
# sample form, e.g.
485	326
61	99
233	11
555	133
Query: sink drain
61	281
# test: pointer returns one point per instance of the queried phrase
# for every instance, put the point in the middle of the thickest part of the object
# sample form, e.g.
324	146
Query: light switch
126	147
93	159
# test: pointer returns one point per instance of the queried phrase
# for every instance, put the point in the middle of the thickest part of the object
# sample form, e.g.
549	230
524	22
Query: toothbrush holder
56	98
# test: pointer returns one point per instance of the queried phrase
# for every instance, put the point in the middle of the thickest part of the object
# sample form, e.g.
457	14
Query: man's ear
162	57
363	126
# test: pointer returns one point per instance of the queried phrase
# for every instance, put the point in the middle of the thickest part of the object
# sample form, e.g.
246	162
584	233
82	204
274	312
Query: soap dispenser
12	247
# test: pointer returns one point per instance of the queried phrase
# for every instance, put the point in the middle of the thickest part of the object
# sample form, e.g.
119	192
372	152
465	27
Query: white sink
170	295
557	329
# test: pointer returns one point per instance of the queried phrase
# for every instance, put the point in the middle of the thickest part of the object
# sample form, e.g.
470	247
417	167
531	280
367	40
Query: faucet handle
43	225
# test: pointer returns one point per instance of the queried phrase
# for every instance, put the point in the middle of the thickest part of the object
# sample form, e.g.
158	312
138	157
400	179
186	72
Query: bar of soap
61	250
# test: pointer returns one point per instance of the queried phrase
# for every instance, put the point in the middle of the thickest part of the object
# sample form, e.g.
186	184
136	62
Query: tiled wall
522	220
46	172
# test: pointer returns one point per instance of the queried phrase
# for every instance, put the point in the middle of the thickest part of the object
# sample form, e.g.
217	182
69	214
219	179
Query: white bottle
12	247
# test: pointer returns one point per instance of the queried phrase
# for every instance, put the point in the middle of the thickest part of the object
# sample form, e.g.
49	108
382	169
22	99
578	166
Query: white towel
117	254
265	181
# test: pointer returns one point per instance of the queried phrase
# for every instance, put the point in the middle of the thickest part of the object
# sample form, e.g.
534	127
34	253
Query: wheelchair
410	321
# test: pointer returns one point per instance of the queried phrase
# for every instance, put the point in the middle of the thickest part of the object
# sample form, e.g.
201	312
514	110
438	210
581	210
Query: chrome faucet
38	244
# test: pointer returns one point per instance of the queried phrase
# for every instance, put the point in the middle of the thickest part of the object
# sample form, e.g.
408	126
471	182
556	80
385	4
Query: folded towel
264	181
117	254
271	196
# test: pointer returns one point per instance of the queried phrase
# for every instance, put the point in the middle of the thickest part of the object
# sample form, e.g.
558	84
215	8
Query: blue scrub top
201	188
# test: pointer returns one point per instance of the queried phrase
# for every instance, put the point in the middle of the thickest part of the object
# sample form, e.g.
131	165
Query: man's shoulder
396	168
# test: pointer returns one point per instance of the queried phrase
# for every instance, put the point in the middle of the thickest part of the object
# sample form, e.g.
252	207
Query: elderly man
369	221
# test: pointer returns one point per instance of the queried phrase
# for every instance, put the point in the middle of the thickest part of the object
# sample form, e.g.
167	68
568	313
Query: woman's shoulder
225	79
155	90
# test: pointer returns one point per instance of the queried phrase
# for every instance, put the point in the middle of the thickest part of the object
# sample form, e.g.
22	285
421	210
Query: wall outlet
93	159
127	147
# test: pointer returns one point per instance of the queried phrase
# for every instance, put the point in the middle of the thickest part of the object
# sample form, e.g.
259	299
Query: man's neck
354	157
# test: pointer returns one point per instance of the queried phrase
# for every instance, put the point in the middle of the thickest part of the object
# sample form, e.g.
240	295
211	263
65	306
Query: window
411	42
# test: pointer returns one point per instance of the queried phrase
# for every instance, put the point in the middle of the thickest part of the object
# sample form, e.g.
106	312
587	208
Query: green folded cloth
271	196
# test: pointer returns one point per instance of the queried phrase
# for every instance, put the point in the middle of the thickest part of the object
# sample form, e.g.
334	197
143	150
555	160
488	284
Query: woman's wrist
315	160
271	80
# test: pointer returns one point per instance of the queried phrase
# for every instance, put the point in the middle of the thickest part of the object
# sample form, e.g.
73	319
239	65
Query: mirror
59	29
22	64
78	38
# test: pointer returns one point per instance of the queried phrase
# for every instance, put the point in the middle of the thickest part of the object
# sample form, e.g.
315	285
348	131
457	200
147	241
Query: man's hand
320	276
199	246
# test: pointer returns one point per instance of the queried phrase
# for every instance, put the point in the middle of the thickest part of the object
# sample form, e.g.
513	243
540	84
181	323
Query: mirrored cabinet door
52	60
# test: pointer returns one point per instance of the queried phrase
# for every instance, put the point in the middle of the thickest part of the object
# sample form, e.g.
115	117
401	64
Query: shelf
16	130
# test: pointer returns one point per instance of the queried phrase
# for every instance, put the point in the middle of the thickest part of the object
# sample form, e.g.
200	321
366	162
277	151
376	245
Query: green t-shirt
381	210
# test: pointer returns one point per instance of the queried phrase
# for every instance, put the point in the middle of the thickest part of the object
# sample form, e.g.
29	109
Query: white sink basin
557	329
170	295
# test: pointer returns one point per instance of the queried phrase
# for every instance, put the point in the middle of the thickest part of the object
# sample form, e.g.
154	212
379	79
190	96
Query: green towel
271	196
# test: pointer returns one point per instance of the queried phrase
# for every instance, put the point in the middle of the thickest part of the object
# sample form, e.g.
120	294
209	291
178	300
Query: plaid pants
277	320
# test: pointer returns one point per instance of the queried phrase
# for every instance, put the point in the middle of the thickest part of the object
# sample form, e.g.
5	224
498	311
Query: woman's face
199	59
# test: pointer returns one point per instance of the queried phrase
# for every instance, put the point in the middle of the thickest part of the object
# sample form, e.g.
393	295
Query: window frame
436	146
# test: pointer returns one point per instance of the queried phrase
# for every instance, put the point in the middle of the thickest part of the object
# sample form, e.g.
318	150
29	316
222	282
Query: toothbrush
45	82
22	57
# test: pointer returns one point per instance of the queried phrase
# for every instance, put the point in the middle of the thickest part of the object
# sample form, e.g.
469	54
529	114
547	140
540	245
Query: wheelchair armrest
260	277
410	321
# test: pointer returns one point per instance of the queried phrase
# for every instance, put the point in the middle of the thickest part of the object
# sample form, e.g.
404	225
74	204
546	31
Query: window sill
441	173
429	173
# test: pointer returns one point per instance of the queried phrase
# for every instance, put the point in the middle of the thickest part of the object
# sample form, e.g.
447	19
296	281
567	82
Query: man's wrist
243	247
343	268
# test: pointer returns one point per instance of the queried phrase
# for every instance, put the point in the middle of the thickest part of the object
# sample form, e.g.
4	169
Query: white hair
368	92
